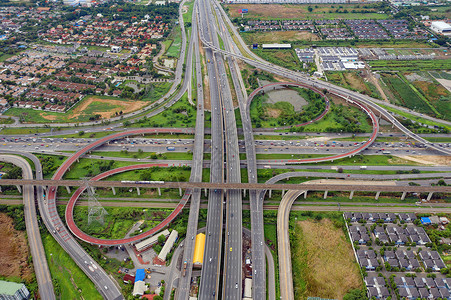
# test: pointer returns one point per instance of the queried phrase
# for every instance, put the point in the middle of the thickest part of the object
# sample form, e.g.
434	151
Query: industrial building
199	246
168	245
140	286
276	46
143	245
247	288
441	27
13	291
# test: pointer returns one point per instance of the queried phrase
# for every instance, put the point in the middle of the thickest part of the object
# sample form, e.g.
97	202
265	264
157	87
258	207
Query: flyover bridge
347	186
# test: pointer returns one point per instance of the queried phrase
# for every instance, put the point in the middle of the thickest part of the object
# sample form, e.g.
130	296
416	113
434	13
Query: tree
161	239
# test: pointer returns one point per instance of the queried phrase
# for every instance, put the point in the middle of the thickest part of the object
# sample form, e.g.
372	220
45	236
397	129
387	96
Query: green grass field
284	58
23	130
159	89
411	65
406	96
147	155
69	280
415	118
174	49
181	114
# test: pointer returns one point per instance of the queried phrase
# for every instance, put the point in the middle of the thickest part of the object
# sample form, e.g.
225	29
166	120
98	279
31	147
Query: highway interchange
221	261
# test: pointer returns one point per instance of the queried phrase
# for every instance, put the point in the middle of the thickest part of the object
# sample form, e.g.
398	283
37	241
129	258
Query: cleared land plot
14	252
301	11
106	107
323	260
278	36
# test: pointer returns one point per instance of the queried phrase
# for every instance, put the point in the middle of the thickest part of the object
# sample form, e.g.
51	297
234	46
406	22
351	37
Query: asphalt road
233	260
196	175
40	265
210	275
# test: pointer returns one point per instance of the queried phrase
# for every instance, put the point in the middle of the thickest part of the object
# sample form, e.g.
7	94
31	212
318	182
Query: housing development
206	149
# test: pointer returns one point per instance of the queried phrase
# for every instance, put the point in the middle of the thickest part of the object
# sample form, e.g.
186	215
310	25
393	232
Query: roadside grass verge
69	280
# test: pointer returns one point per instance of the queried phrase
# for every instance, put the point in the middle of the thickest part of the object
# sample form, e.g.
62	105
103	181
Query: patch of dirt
416	77
445	82
272	112
48	117
330	270
436	160
14	252
355	81
124	106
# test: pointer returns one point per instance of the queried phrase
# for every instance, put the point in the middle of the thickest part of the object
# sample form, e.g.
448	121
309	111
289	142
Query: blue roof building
140	275
426	221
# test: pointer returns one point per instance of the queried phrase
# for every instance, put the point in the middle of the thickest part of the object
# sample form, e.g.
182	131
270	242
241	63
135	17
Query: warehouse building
276	46
143	245
247	288
199	247
168	245
13	291
441	27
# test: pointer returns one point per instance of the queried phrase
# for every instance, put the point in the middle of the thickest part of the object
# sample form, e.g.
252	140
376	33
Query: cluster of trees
288	115
124	11
16	212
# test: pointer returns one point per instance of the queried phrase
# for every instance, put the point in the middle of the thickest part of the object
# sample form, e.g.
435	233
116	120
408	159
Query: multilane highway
210	275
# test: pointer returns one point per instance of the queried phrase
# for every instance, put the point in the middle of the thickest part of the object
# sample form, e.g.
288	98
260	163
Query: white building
168	245
276	46
441	27
150	241
116	49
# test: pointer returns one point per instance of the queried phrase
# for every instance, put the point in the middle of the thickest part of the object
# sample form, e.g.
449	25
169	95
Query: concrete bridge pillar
403	196
429	196
159	191
244	192
114	190
205	192
68	189
180	192
270	193
351	195
377	195
283	193
19	188
138	191
305	195
325	194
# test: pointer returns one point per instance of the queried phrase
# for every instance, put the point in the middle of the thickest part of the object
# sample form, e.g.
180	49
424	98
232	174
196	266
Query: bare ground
436	160
14	252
